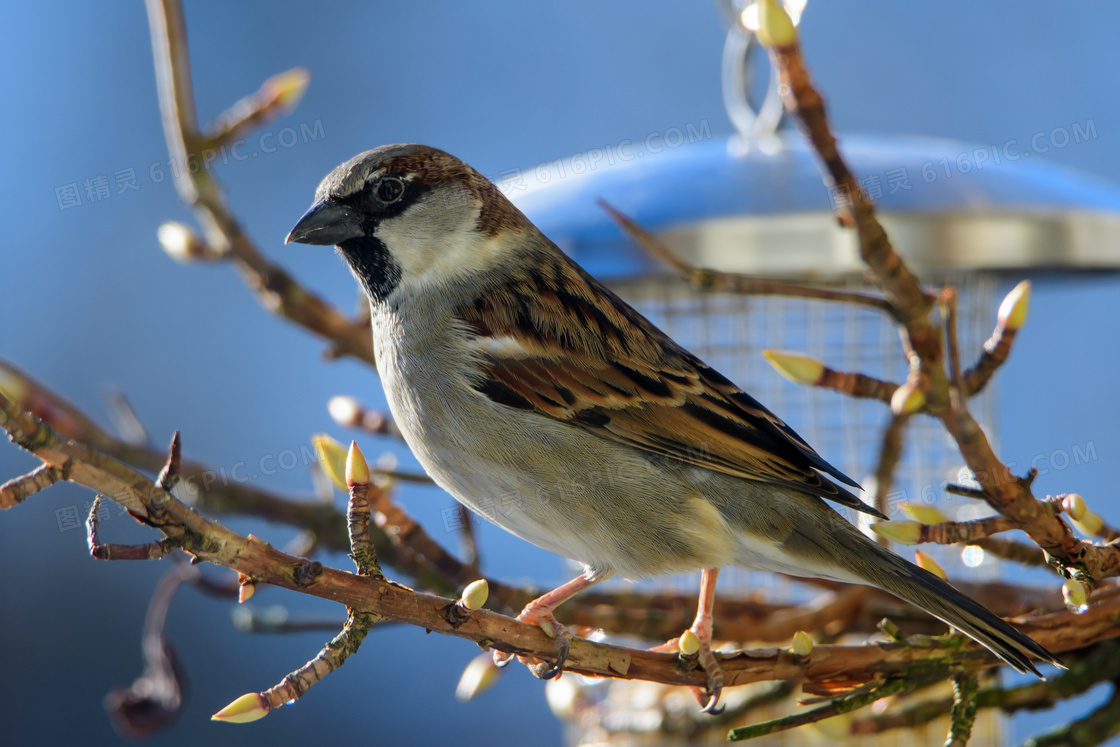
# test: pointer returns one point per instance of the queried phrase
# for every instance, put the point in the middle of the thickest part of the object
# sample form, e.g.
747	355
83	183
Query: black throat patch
373	265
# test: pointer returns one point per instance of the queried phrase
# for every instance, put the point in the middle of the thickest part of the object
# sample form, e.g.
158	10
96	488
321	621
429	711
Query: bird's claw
563	645
712	708
708	698
707	660
547	622
563	637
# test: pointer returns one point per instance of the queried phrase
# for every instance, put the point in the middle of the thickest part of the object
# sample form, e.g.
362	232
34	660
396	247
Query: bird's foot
546	621
707	698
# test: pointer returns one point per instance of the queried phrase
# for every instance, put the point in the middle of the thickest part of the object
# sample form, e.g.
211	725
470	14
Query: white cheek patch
462	249
437	240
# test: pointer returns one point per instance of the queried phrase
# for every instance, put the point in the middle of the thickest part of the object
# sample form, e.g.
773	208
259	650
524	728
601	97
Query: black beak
326	223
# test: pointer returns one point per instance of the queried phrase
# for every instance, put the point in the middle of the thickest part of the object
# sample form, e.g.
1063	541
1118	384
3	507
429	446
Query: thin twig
466	534
350	413
99	551
1099	664
968	532
1017	552
965	490
957	395
171	471
834	708
410	477
155	698
124	418
962	715
729	282
19	489
277	95
904	295
775	693
993	355
362	551
274	620
890	453
1100	726
858	385
331	657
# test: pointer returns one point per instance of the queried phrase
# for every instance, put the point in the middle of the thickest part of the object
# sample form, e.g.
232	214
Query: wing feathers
559	344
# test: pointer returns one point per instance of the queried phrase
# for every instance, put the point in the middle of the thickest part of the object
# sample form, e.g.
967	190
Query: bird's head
409	217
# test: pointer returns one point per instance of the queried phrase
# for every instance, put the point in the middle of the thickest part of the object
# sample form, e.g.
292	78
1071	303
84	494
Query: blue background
90	298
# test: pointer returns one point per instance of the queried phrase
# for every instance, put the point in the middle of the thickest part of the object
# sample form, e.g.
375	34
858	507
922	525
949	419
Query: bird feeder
968	215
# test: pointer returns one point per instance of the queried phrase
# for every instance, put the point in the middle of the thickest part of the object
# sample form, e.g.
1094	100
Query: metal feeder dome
756	202
763	208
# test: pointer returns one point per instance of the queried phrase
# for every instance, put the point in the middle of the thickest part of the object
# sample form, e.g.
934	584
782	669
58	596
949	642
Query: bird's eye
390	189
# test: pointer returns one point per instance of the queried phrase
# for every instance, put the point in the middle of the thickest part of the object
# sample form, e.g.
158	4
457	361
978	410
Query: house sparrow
541	400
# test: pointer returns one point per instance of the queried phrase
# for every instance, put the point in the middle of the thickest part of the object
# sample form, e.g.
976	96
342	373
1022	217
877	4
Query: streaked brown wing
583	356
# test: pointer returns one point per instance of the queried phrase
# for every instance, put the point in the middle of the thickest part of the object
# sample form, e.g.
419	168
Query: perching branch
207	490
210	541
403	543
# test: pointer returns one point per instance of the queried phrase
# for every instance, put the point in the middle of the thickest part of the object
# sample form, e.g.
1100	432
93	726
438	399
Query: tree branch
403	544
834	708
1009	495
890	452
993	355
276	290
729	282
962	714
210	541
19	489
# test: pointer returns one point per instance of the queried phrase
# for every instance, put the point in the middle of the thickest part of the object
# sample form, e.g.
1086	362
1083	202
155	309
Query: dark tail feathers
925	590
